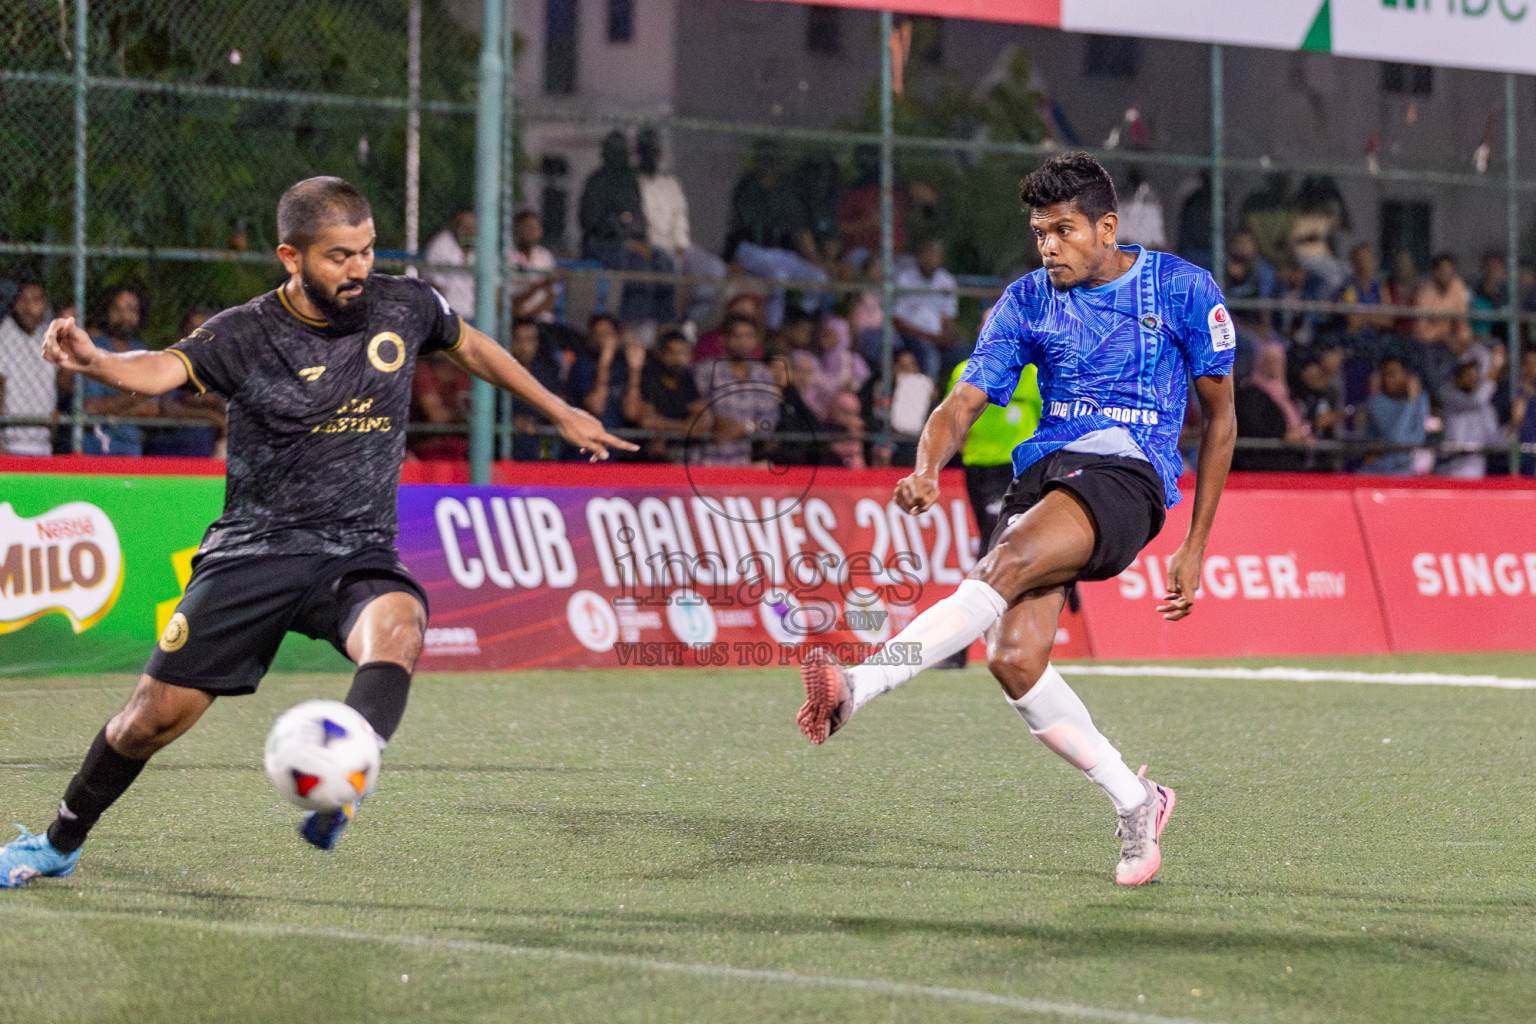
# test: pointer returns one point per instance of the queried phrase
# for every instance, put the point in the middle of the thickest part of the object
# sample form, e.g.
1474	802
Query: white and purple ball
322	755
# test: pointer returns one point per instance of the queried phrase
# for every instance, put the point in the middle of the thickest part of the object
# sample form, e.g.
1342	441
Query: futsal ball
322	755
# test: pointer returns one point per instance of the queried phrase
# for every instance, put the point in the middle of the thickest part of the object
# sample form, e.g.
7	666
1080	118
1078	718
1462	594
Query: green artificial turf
663	846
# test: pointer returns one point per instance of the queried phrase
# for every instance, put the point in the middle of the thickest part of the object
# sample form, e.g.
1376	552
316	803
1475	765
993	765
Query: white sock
1060	720
949	626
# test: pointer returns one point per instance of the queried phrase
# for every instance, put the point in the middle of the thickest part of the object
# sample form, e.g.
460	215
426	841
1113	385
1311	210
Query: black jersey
316	416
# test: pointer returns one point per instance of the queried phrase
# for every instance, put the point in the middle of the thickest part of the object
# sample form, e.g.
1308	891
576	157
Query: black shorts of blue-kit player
1123	495
229	624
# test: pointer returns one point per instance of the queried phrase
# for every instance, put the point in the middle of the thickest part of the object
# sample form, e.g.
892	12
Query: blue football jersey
1119	355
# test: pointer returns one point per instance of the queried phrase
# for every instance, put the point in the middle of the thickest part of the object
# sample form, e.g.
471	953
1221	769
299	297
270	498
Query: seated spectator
925	316
798	438
122	316
1394	417
662	395
613	232
768	235
1364	332
667	225
1444	292
1318	393
740	393
535	296
796	334
1249	274
186	402
838	369
1490	296
1466	407
441	394
712	342
1265	410
1298	283
27	382
598	375
1402	289
532	348
867	316
454	246
818	183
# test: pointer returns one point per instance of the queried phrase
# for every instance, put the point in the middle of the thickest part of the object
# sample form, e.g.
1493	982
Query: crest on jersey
1151	321
311	373
386	352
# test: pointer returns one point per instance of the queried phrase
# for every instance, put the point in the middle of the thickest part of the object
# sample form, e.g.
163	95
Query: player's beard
345	317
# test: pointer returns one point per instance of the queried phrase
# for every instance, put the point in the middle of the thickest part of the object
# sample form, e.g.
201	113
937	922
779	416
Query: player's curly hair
1075	178
315	203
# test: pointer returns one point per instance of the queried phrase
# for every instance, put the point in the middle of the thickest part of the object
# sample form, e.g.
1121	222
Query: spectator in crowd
866	318
1265	411
1141	216
1249	274
667	225
662	395
1317	392
925	315
1403	290
187	403
799	434
796	334
535	295
531	348
441	395
613	232
1254	330
818	183
599	374
27	382
1320	214
122	316
1466	408
858	210
1447	339
454	247
1490	296
741	394
768	234
839	371
1364	332
751	305
1394	417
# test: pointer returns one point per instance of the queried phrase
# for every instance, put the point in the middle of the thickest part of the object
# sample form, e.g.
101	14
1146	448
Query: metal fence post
82	70
887	224
505	312
1512	279
487	228
413	134
1218	169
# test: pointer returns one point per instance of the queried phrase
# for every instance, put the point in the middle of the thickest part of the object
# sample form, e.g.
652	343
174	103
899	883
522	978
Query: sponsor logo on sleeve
1223	336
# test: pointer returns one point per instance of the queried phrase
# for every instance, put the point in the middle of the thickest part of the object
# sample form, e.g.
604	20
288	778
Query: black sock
103	777
378	693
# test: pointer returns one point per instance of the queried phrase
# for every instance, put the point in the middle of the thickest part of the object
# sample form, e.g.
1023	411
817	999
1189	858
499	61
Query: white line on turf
1280	673
635	963
72	689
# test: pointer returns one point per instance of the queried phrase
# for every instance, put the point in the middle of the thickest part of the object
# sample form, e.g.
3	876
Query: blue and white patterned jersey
1116	356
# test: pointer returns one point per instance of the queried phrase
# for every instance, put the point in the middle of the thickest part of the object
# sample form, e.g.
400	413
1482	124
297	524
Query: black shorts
230	622
1124	496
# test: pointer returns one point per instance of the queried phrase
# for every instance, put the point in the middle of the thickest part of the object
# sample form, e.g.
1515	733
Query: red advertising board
654	566
1285	573
1456	569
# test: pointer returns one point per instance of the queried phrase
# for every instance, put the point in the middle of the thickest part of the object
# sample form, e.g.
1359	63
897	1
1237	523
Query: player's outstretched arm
943	435
480	355
143	373
1218	436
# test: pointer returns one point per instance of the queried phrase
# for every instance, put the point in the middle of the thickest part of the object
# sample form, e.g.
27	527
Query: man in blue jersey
1116	333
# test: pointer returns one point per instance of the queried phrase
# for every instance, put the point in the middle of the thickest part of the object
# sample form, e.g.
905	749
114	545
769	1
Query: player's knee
1011	571
401	630
1017	667
145	726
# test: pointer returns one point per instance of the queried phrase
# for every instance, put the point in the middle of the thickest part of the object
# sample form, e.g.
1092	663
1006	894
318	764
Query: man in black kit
318	378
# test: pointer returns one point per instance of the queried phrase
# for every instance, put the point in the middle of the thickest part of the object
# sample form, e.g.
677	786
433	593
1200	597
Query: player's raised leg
1018	653
1050	550
155	715
384	643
